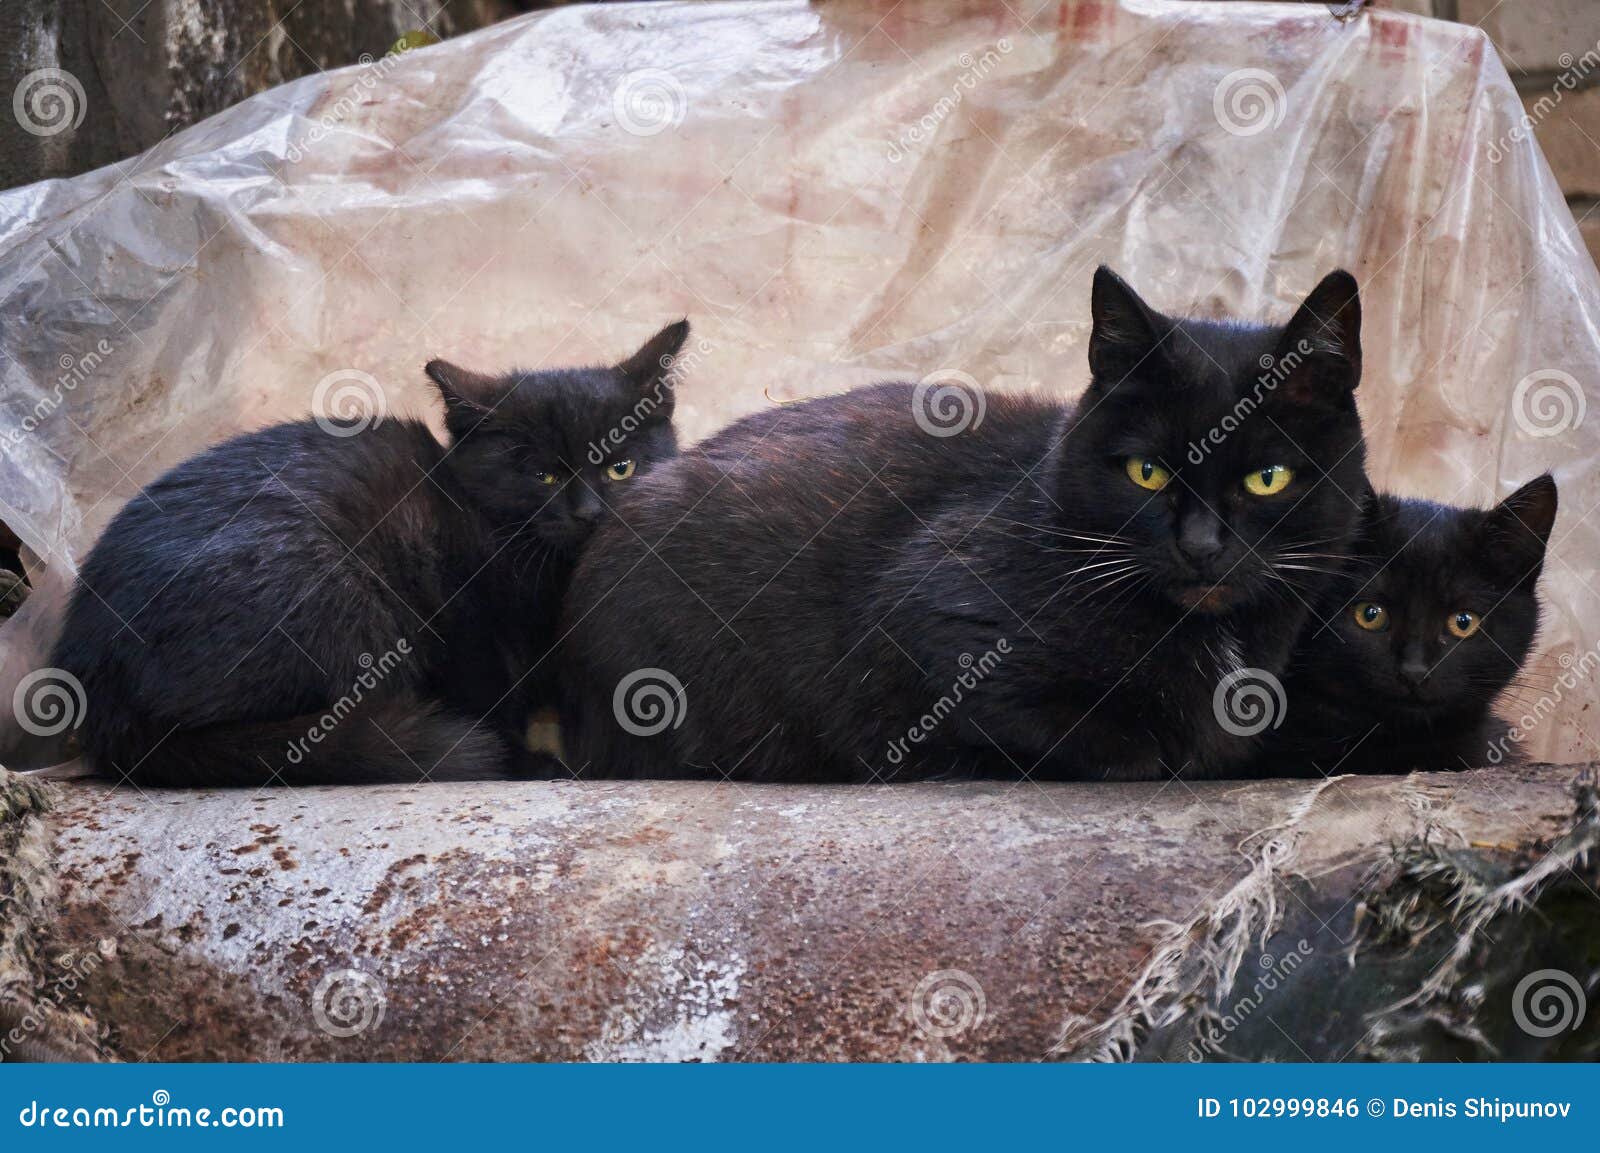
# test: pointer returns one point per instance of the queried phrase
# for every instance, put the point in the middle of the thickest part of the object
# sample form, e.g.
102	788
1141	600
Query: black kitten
320	602
1405	673
1035	589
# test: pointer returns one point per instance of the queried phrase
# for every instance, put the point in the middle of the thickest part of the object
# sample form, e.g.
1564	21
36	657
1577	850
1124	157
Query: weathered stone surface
1417	7
1535	35
1568	127
1589	225
146	68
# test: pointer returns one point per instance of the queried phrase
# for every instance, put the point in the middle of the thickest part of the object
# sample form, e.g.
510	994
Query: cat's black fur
1414	696
407	590
822	577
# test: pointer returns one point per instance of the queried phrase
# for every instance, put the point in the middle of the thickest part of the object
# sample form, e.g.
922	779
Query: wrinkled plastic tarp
832	195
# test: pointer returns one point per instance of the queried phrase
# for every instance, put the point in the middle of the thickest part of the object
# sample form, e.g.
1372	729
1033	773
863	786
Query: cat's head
544	452
1446	608
1220	457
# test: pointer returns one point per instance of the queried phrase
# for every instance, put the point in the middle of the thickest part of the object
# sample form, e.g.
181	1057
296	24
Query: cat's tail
402	741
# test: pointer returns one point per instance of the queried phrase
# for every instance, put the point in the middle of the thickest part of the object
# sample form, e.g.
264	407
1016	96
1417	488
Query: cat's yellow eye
1147	474
1268	481
547	477
620	469
1463	624
1372	616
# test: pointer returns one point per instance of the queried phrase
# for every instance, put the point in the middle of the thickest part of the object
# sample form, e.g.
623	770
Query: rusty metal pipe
679	921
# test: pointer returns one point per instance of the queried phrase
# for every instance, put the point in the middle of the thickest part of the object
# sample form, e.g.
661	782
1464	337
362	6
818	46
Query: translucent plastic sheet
832	195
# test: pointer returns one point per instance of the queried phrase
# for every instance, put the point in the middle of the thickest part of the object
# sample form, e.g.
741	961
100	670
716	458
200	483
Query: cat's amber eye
1147	474
1372	616
1463	624
547	477
620	469
1268	481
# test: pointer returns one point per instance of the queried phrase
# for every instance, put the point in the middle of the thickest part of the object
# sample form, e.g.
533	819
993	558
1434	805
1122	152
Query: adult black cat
846	590
1404	673
322	602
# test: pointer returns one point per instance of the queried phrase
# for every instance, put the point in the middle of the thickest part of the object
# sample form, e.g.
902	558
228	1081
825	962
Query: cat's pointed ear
468	396
463	391
1519	526
1375	513
1321	346
1125	331
647	370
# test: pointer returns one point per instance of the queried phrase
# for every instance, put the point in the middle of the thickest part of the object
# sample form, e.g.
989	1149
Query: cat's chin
1211	600
565	541
1424	706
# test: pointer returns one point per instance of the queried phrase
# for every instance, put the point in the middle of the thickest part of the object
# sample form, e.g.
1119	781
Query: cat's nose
1413	668
586	507
1200	537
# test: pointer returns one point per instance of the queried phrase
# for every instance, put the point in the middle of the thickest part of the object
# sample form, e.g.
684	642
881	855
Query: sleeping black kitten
303	605
1405	673
837	591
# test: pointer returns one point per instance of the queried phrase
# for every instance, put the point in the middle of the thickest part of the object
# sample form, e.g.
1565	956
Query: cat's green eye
620	469
1268	481
547	477
1463	624
1147	474
1372	616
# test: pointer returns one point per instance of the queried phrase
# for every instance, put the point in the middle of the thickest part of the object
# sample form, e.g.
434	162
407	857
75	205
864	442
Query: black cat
1404	673
317	603
837	591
